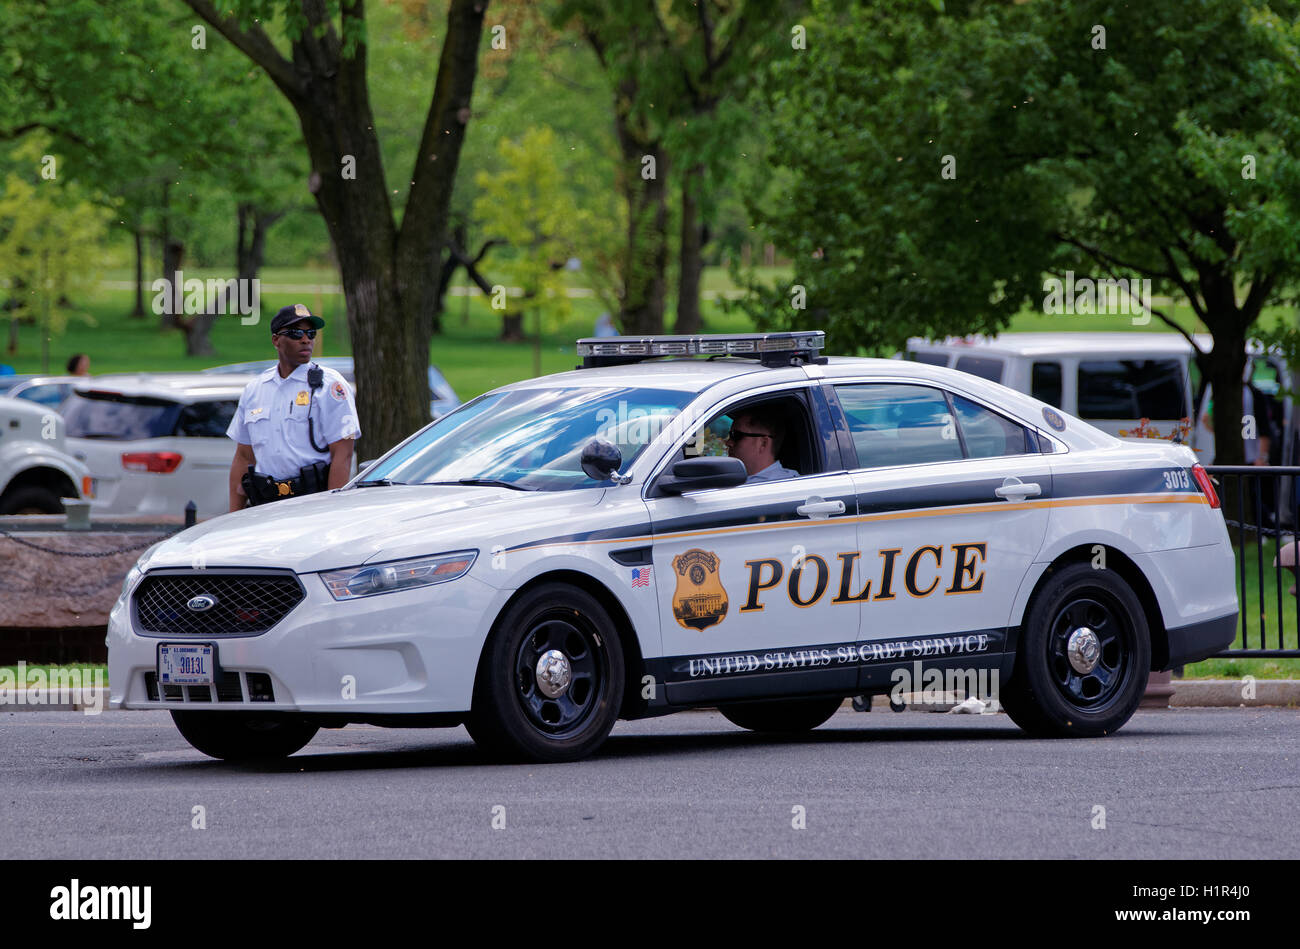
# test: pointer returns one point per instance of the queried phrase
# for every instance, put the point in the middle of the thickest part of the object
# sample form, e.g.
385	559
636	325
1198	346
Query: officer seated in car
755	438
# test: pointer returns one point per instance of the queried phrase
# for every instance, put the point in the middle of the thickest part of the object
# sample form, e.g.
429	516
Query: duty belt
262	489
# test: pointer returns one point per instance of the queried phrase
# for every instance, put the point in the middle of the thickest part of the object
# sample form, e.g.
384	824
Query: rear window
982	366
930	359
987	434
1045	386
94	414
1131	389
206	419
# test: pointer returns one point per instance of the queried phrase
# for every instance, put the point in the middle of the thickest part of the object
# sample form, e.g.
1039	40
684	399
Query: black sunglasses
736	435
298	333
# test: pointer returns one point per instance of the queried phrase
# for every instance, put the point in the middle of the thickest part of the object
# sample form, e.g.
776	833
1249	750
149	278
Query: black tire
512	715
1050	697
244	736
787	716
32	499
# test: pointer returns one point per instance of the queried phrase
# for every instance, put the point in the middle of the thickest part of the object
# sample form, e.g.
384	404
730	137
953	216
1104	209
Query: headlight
397	575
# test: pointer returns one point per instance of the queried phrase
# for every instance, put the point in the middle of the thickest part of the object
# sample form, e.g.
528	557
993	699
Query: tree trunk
390	275
512	328
172	313
694	236
138	312
644	187
170	259
250	251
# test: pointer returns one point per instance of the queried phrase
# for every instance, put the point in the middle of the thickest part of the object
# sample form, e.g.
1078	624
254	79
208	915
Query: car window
1045	383
96	414
987	434
982	366
930	359
49	394
1131	389
893	424
205	419
795	454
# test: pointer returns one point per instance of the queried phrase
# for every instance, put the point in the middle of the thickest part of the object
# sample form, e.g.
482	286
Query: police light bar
771	349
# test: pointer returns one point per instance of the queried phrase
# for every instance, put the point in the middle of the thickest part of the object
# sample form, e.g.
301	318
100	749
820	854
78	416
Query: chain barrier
96	553
1256	529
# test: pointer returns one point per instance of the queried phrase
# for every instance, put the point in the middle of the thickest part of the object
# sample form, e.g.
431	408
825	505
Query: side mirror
601	459
708	472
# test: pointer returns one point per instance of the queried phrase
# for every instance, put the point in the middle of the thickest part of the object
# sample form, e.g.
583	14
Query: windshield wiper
377	483
485	482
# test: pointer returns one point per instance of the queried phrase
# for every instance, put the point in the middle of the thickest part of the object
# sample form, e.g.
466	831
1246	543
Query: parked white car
36	469
154	442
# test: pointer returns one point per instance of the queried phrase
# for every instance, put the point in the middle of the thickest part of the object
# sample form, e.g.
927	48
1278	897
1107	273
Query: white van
1111	380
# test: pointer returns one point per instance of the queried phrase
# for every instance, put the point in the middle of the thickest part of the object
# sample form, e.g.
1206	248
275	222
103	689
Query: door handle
1017	489
816	507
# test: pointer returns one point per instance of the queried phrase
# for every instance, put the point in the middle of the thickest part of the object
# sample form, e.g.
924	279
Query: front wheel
243	736
1084	656
782	715
550	682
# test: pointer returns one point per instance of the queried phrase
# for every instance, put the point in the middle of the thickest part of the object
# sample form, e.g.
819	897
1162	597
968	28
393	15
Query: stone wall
57	588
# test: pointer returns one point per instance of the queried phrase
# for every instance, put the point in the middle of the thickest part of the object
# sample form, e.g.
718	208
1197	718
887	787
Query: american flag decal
640	576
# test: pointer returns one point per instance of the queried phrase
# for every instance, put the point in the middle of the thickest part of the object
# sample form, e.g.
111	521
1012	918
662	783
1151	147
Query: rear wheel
550	683
782	715
1084	656
243	736
32	499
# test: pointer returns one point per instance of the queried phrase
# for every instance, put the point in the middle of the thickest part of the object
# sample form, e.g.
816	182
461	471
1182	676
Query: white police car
569	550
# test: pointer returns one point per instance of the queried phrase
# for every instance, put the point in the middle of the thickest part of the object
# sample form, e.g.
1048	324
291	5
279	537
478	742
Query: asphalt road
1191	783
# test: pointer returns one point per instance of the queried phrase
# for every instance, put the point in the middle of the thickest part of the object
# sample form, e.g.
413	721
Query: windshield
531	439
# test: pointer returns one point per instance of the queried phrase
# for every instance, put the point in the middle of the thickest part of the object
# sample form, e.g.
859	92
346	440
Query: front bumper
412	652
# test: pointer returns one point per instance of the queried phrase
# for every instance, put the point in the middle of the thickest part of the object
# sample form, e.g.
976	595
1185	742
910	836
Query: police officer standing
296	422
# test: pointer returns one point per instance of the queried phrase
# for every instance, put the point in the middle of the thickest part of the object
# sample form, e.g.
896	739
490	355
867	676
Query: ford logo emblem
202	603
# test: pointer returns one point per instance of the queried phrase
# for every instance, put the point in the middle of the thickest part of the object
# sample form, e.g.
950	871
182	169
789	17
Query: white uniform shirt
773	472
272	417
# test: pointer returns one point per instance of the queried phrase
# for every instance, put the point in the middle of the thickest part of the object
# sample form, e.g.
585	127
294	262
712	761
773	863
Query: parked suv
36	470
154	442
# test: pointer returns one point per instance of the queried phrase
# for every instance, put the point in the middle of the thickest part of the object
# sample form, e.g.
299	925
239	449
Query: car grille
246	604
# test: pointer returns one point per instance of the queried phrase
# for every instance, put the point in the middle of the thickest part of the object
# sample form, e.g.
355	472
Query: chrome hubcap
1083	650
554	674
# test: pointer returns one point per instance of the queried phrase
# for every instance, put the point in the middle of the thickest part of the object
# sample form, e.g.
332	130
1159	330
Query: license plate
188	664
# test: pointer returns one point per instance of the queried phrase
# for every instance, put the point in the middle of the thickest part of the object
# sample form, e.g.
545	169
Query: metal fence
1261	506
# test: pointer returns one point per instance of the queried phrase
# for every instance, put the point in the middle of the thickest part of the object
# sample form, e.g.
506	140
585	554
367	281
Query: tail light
155	462
1206	485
